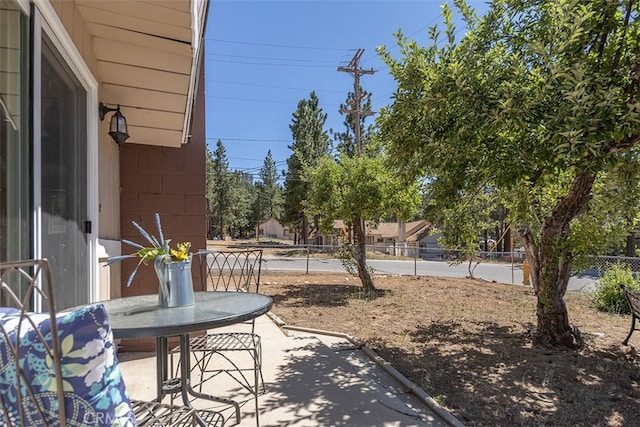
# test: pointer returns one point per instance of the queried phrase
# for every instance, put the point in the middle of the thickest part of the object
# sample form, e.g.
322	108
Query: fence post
525	272
308	246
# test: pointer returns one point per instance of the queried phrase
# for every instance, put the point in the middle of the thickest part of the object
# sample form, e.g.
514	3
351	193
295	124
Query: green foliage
608	296
241	218
346	140
310	142
537	106
353	190
535	94
230	196
358	188
269	194
218	193
462	222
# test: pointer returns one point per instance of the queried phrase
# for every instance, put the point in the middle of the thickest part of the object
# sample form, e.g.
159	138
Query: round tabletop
141	317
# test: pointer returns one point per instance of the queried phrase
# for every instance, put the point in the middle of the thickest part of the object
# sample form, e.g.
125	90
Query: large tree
538	102
356	188
310	142
269	193
218	194
230	194
241	216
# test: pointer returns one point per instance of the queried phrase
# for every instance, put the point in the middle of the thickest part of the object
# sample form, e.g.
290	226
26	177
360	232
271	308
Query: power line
269	58
233	98
275	45
245	158
247	139
266	63
270	86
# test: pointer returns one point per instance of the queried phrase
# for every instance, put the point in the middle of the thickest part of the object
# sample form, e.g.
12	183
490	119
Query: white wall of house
430	247
273	229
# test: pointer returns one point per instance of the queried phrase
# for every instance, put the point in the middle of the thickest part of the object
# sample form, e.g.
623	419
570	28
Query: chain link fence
487	263
599	265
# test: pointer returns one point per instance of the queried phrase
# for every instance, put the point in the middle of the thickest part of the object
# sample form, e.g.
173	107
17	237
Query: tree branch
635	79
628	142
616	61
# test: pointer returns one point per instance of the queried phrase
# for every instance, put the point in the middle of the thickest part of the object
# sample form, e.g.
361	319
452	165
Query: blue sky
262	57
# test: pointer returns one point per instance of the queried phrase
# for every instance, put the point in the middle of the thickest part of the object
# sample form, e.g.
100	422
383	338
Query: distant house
397	238
272	228
400	238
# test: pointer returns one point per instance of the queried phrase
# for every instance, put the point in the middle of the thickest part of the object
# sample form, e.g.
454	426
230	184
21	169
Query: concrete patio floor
312	379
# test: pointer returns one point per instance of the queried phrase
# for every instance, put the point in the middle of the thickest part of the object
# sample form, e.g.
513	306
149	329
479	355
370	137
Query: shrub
608	296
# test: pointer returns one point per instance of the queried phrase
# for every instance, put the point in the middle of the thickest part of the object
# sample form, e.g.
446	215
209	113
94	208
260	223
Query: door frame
45	19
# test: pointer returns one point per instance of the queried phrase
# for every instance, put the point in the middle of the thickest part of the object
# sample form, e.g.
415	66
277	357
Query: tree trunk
305	229
360	256
506	246
631	245
551	266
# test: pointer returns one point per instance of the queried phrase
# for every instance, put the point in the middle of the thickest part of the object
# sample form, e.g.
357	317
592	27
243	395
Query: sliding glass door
43	152
63	186
15	208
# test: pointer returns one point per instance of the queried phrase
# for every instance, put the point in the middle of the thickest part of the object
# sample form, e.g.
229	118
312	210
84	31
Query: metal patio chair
237	271
41	354
634	306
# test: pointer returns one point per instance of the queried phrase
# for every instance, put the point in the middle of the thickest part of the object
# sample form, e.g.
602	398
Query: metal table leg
161	367
185	373
182	385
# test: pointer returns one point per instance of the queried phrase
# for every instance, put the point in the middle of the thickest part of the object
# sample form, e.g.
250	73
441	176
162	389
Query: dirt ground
466	343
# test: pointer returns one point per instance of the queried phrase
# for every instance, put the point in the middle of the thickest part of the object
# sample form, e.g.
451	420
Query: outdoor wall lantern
117	125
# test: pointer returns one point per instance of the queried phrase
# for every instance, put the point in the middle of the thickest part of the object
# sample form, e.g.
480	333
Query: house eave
148	56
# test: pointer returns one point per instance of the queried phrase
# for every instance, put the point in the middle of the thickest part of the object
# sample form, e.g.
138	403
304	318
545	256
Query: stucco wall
170	181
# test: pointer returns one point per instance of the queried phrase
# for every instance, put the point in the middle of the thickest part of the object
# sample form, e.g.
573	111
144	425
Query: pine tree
218	194
269	194
310	142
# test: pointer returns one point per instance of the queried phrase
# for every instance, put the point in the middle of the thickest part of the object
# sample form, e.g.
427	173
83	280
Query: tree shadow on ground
323	295
314	387
495	372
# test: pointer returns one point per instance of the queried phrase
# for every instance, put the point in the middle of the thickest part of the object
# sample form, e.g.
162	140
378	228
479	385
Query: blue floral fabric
5	311
94	390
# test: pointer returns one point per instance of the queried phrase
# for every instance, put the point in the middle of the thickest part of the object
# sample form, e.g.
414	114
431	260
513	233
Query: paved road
501	273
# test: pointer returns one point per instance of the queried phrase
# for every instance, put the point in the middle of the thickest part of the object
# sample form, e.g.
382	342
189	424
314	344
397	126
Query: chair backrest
230	270
633	299
25	287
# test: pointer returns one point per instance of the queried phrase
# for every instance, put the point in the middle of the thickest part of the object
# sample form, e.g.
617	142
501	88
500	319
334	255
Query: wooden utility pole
353	69
360	254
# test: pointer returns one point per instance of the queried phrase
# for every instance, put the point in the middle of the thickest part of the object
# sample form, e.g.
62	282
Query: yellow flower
182	253
158	247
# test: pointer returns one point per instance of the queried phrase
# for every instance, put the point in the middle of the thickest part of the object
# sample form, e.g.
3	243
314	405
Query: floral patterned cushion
95	394
6	311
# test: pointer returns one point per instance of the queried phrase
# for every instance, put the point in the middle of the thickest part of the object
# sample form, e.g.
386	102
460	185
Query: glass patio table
141	317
